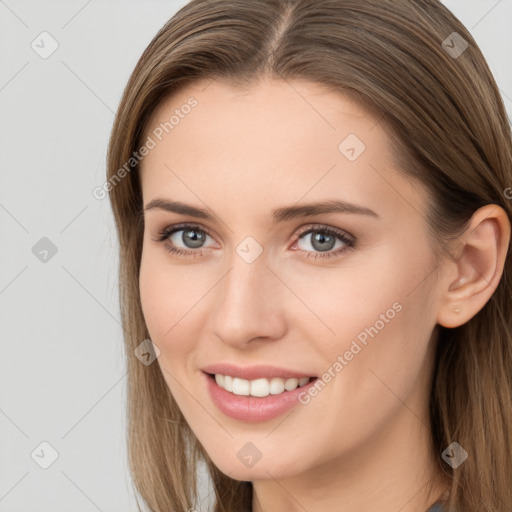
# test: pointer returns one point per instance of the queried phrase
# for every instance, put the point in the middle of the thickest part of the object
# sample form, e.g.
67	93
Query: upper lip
253	372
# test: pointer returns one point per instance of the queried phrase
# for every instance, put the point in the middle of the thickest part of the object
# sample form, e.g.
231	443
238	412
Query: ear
475	271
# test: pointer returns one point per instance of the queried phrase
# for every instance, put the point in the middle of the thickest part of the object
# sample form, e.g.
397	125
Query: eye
315	241
324	239
190	235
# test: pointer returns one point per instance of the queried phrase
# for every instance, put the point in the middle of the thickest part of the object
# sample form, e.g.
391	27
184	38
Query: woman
313	206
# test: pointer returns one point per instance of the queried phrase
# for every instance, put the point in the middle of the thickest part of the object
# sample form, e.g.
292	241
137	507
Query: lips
250	408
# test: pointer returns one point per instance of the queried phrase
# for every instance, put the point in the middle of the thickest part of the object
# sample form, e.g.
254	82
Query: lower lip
253	408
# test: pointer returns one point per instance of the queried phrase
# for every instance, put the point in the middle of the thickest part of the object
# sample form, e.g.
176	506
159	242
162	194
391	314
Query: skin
363	443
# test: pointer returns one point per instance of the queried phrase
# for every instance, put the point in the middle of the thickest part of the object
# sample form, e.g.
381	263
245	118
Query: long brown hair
433	91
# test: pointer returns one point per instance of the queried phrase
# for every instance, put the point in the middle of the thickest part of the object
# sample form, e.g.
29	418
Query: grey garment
437	507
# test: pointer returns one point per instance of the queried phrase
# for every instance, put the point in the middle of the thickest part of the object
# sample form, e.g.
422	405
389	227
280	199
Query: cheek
174	300
377	356
374	311
167	293
165	303
365	290
155	301
161	309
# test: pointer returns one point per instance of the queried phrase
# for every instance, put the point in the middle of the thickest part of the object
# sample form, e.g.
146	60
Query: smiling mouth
259	387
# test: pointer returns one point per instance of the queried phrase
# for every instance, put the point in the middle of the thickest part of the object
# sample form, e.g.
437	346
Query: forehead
289	111
282	140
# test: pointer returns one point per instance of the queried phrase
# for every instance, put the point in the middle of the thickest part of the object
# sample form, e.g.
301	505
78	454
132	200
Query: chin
261	470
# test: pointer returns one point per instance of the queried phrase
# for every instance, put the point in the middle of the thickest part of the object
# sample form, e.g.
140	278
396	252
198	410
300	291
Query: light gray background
61	365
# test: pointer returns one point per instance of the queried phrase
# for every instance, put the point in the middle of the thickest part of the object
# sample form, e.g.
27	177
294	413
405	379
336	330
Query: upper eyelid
319	227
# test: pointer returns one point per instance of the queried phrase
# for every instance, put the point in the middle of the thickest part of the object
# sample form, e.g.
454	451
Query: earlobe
477	268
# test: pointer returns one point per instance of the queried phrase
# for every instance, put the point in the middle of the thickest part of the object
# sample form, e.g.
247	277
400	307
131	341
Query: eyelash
348	240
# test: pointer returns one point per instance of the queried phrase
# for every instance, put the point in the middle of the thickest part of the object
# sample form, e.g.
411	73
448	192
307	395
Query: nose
249	304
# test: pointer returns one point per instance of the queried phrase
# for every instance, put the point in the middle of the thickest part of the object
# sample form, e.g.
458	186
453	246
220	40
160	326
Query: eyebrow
278	215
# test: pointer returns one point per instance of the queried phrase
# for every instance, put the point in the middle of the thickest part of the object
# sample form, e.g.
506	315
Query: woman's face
345	293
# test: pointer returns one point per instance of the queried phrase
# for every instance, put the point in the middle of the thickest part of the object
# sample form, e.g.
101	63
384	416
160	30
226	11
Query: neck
396	470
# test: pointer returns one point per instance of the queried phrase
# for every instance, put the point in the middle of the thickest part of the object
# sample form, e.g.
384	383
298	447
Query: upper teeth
258	387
